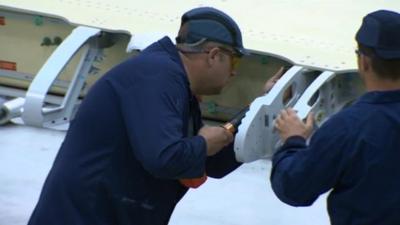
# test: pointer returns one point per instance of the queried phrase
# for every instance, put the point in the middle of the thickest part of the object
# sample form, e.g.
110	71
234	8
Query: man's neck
190	71
382	85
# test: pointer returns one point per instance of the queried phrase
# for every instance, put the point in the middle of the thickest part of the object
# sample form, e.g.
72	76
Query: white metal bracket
328	94
305	104
325	95
34	111
256	137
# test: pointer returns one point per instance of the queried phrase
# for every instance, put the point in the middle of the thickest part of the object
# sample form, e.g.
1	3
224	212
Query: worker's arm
301	172
156	113
225	161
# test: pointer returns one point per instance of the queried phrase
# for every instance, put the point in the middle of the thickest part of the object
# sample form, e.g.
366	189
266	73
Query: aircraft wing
308	32
312	38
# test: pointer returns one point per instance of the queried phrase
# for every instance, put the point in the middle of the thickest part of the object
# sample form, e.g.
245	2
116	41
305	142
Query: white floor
242	198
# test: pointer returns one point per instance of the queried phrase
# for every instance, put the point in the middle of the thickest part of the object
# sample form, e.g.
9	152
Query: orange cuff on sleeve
194	182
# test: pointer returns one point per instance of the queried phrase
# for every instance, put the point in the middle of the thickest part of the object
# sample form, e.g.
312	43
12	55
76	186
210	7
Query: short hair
385	68
199	46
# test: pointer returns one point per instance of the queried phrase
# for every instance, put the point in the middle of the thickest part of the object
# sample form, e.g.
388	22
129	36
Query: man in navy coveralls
356	153
139	131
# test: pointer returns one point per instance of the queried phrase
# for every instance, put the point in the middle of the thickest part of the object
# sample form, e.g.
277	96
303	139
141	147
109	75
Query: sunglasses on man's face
235	58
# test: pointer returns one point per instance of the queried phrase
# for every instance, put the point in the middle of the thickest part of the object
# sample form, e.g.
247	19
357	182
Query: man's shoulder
344	119
148	64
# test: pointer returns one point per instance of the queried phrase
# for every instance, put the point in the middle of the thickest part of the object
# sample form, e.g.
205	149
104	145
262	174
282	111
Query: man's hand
271	81
216	138
289	124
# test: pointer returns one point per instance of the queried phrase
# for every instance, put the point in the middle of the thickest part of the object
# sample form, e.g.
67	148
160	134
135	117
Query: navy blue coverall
356	153
128	145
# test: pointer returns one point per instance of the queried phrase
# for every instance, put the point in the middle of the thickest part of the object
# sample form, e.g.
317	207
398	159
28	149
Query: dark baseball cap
380	30
206	23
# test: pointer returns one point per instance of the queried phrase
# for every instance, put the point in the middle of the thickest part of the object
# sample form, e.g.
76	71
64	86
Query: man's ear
213	56
362	63
367	63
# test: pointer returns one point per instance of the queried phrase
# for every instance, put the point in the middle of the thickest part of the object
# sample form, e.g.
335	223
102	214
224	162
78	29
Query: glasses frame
235	57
